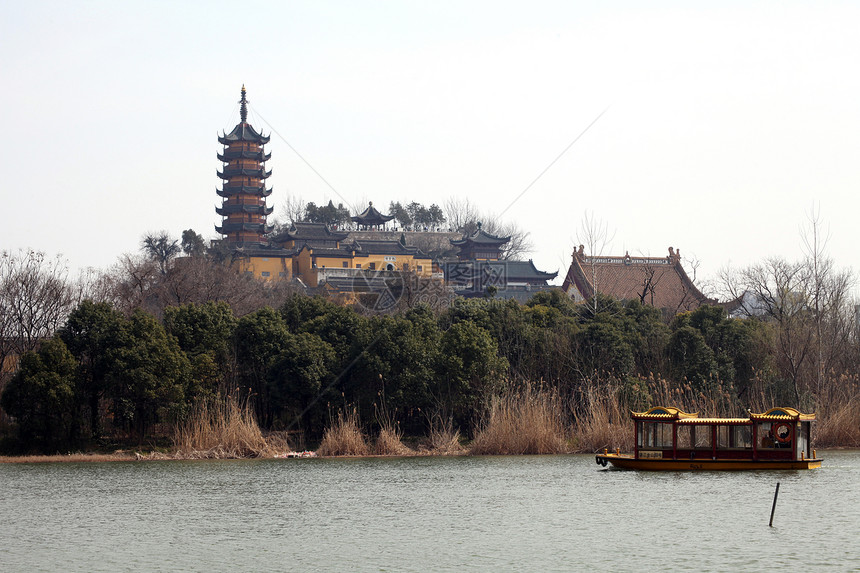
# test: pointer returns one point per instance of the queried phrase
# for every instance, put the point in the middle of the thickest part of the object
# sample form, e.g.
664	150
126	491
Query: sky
716	128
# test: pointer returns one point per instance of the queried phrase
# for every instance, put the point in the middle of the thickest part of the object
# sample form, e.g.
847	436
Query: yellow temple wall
274	266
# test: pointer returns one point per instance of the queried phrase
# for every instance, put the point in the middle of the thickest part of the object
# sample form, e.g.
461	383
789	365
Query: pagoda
244	189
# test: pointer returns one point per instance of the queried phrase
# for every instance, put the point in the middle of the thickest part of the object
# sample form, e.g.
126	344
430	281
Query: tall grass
528	421
443	439
389	442
839	414
603	421
223	428
344	437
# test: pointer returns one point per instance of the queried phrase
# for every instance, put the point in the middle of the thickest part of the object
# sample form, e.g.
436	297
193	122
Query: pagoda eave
260	156
228	174
250	209
243	190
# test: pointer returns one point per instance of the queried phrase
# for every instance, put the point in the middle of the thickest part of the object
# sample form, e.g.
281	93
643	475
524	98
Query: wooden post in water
772	509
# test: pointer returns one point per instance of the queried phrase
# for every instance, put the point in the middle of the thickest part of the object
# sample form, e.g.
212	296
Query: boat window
685	436
655	435
765	436
802	439
703	436
723	434
741	437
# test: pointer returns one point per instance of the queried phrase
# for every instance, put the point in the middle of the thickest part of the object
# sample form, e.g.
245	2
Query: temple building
480	271
319	255
656	281
371	218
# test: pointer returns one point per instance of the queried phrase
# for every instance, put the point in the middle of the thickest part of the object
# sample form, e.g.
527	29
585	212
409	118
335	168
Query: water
541	513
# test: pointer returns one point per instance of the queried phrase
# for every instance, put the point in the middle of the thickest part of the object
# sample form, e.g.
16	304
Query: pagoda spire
243	110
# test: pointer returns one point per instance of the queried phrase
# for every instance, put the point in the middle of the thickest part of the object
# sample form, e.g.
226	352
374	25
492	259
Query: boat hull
630	463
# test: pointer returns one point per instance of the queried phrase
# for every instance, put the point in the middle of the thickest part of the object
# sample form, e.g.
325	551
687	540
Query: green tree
400	214
260	337
205	333
193	244
94	333
469	370
691	359
41	397
151	376
161	248
297	376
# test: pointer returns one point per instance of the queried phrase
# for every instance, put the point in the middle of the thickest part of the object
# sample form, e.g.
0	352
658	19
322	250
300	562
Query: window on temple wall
265	273
372	266
420	268
346	264
358	265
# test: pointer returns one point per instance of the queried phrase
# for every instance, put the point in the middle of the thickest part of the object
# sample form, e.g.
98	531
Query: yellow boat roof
782	414
671	413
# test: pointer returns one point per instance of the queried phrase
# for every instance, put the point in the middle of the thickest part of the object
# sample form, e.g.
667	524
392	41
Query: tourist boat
670	439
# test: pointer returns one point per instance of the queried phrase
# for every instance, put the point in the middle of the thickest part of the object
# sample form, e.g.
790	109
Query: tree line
126	353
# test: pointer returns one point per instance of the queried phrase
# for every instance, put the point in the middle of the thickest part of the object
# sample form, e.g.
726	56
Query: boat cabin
669	438
778	434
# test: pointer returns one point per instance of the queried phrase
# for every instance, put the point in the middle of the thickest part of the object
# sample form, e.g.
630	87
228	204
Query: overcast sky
725	122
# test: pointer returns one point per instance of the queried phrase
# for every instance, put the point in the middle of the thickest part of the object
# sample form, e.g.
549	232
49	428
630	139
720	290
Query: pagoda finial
243	111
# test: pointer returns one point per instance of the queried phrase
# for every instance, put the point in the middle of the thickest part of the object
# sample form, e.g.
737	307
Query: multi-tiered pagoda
244	189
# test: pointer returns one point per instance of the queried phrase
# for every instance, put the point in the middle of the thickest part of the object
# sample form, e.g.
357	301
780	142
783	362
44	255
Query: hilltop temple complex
311	253
471	265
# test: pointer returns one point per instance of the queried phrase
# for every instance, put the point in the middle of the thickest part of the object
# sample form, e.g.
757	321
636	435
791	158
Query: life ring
781	431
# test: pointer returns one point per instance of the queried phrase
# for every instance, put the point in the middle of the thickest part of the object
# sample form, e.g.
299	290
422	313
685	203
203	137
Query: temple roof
480	237
371	217
503	272
657	281
302	231
366	247
243	132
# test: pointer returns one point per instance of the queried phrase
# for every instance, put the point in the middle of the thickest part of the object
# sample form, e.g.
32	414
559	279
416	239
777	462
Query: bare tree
518	246
461	214
35	299
593	234
293	209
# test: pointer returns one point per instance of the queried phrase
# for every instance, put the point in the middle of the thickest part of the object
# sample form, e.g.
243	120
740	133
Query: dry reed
839	425
390	443
223	429
604	423
344	437
443	439
525	422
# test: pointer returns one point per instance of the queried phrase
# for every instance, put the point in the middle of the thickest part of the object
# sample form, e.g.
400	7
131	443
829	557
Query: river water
525	513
